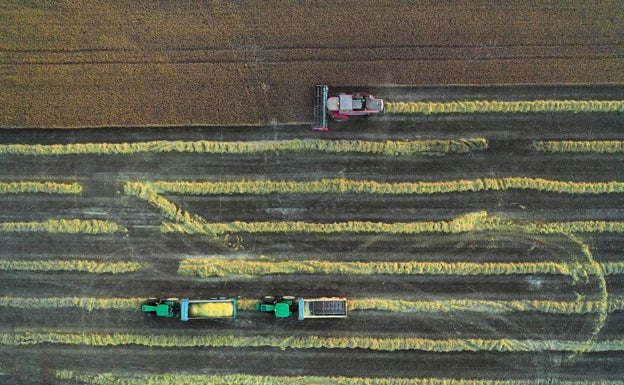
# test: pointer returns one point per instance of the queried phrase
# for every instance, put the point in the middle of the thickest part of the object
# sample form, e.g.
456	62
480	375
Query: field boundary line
69	337
579	146
107	378
388	148
501	106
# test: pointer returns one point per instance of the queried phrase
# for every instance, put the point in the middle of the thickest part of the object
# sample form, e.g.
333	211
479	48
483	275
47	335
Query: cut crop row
69	337
87	303
459	225
188	223
109	378
64	226
40	187
389	148
581	306
69	265
213	267
499	106
580	146
341	186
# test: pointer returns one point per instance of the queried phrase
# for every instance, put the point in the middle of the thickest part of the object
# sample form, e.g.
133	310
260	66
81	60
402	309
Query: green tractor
282	307
167	308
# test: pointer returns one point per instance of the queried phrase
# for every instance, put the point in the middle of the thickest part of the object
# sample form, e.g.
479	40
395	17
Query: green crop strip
108	378
499	106
64	226
69	265
40	187
35	337
213	267
388	148
594	146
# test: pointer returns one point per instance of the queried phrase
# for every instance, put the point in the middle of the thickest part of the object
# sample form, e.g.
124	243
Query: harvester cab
342	106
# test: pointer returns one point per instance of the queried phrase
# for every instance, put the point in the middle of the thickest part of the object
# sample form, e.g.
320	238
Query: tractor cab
280	306
162	308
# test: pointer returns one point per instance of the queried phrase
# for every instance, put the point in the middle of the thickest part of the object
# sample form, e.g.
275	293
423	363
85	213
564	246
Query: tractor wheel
268	299
174	299
288	298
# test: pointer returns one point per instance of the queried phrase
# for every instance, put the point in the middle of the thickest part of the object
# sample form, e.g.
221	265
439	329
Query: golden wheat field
164	150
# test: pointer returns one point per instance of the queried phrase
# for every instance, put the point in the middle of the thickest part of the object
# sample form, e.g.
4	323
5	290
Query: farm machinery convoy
224	308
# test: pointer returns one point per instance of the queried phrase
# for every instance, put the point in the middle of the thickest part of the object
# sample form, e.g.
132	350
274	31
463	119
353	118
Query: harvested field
504	248
476	230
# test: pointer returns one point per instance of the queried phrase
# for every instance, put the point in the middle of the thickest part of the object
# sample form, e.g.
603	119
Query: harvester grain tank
305	308
342	106
188	309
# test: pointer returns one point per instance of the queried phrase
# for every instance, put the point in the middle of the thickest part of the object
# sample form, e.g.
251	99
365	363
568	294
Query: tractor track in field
311	54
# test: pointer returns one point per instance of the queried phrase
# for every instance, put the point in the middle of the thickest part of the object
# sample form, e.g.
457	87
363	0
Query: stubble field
476	246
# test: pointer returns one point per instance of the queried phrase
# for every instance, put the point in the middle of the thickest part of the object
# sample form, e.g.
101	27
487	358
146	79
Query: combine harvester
305	308
187	309
342	106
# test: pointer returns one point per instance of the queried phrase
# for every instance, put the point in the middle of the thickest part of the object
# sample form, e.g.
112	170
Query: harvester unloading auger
342	106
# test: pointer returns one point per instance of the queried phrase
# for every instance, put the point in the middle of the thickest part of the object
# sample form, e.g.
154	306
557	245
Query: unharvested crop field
477	231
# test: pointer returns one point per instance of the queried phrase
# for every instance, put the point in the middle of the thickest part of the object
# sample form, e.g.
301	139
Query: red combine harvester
342	106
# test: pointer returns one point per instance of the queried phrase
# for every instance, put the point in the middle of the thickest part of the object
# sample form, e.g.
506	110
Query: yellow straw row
214	267
580	146
69	265
581	306
343	186
40	187
34	337
389	148
108	378
500	106
64	226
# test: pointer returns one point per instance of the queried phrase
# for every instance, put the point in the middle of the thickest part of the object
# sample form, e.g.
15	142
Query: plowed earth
187	63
